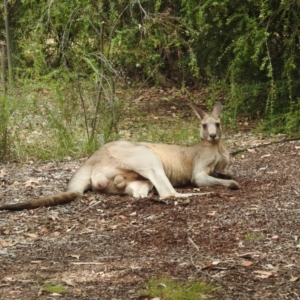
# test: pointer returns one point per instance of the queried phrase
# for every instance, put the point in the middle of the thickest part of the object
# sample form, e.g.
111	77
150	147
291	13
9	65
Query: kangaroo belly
177	162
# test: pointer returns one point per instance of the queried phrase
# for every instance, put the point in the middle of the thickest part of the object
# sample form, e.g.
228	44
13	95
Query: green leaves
179	42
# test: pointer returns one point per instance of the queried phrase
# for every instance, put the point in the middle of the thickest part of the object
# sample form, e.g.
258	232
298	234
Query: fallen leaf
36	262
186	201
3	173
267	273
32	235
266	155
75	256
211	214
265	276
28	184
3	243
251	150
246	263
294	278
113	226
288	266
55	294
68	282
248	254
54	218
275	269
270	266
15	292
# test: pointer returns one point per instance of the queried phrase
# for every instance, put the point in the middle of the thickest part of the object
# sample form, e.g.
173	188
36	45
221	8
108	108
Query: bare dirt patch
246	242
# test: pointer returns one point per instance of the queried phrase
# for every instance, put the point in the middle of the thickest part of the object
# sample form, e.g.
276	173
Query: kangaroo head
210	127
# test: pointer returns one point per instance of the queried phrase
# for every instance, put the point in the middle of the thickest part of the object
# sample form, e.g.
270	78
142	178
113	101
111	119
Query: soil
245	242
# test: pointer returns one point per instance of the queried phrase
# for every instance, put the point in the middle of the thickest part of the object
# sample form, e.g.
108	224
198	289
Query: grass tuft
250	237
54	288
170	289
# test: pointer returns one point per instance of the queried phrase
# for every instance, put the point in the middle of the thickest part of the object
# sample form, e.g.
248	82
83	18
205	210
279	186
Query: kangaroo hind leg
151	168
134	184
138	188
81	180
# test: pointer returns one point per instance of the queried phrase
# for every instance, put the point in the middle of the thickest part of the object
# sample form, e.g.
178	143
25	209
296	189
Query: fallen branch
233	153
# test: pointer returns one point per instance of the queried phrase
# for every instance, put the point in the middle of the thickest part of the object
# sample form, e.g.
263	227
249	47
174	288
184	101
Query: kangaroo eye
218	125
204	126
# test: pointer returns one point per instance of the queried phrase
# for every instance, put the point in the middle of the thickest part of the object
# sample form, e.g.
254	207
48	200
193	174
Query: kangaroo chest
211	159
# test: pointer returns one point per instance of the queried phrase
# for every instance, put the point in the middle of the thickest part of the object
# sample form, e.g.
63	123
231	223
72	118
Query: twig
264	145
84	110
3	65
91	205
192	262
205	194
20	280
193	243
87	263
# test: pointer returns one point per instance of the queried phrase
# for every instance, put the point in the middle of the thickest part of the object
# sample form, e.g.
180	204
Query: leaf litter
107	246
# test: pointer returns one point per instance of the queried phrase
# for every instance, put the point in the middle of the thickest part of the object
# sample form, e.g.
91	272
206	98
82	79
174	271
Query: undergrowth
54	120
51	119
69	59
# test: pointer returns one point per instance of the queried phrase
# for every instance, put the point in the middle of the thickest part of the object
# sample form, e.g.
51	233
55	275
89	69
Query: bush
246	52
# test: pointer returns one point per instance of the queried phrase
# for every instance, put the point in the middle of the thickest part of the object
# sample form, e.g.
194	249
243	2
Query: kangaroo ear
198	111
217	109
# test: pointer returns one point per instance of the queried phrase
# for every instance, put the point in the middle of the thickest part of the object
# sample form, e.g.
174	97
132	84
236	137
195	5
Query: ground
245	242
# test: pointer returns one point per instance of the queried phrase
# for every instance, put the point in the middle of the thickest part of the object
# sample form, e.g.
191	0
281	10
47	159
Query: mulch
245	242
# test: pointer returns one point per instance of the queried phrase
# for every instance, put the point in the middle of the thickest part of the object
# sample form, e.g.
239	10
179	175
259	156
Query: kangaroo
134	168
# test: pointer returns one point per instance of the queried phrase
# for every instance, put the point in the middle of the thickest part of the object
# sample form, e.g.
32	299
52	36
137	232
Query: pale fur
138	166
132	168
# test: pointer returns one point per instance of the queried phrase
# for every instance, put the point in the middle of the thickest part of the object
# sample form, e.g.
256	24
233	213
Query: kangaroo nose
213	136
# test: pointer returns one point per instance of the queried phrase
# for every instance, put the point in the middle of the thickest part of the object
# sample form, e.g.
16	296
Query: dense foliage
246	52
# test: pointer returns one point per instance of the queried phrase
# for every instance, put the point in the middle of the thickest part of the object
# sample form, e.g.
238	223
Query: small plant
54	288
250	237
170	289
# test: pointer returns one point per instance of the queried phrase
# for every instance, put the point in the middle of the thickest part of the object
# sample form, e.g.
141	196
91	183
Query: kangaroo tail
78	184
58	199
